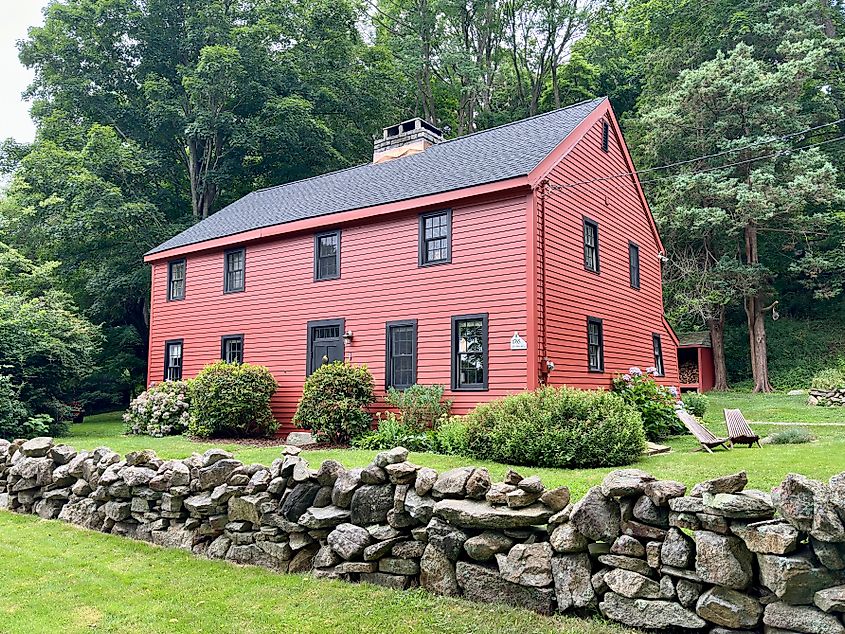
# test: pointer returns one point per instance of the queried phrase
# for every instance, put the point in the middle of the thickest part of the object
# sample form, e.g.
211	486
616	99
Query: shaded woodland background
153	114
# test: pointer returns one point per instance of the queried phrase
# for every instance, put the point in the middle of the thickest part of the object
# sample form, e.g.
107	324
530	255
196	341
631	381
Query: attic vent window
605	136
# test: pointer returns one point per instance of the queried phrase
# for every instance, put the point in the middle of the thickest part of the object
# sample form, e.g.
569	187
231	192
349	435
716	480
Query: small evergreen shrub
420	406
695	403
829	379
334	402
232	400
654	402
791	436
556	427
391	432
162	410
452	437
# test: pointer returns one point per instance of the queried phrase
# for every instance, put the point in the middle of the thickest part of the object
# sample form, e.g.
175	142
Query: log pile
689	372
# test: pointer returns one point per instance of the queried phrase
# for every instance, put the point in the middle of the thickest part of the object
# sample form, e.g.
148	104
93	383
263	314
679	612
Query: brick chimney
405	139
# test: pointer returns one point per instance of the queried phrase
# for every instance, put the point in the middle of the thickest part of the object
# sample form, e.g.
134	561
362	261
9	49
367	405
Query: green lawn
59	578
766	467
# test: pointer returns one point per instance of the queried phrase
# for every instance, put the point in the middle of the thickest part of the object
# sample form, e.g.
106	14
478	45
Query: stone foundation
641	551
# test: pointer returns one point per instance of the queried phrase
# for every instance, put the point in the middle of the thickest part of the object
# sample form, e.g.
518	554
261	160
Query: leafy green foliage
655	403
553	427
334	402
15	420
421	407
46	348
791	436
452	437
392	432
232	400
162	410
695	403
829	379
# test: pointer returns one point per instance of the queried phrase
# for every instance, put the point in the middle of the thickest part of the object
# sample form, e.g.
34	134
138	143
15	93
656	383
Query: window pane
327	256
470	352
177	280
435	238
401	370
173	371
471	369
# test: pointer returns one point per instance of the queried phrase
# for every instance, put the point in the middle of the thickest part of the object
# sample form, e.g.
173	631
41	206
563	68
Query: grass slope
59	578
766	467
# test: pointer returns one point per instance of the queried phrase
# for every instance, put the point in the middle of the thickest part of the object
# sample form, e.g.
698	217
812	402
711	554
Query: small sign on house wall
518	343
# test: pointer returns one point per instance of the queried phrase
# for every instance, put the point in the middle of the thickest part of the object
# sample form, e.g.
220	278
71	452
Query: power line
557	186
750	160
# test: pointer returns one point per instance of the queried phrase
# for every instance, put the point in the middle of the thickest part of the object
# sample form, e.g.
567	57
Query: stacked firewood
689	372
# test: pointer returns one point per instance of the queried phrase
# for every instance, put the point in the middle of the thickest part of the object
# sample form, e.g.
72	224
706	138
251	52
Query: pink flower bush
160	411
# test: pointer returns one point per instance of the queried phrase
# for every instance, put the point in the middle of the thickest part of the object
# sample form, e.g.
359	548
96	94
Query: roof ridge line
532	117
458	138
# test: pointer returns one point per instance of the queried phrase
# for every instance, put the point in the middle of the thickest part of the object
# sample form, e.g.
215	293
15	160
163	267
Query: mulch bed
267	442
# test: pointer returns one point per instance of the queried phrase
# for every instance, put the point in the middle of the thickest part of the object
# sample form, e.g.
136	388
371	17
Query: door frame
340	322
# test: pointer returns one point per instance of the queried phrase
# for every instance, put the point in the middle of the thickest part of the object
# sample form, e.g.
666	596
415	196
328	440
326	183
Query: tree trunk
756	320
717	340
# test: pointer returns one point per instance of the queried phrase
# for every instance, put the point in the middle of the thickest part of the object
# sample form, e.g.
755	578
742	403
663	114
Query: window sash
634	264
176	280
469	351
235	270
595	345
173	365
591	246
435	237
657	345
233	349
327	256
401	355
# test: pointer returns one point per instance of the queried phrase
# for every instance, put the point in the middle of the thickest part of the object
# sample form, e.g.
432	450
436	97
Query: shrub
553	427
391	432
654	402
695	403
334	402
420	406
15	419
232	400
163	410
830	379
452	437
791	436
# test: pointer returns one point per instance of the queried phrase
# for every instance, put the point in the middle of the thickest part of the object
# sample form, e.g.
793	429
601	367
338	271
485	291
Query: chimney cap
417	123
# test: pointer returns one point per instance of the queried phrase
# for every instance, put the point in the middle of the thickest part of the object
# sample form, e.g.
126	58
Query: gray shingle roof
508	151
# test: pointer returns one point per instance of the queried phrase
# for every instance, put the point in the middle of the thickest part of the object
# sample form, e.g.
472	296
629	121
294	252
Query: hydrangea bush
655	403
160	411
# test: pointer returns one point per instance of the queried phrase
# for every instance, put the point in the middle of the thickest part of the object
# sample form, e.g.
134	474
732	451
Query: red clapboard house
490	264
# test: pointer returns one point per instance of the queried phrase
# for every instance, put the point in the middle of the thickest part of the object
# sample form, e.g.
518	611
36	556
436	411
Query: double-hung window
235	271
401	368
173	360
595	345
232	348
591	245
176	280
659	367
327	256
435	237
469	352
634	264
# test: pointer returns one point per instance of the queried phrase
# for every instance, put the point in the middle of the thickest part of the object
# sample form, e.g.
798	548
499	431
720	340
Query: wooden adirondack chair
702	434
739	431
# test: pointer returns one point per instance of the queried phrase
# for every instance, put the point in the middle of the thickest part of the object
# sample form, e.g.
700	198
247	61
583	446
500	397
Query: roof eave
343	217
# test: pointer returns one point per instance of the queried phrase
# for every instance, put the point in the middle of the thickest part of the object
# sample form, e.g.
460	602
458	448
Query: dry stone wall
639	550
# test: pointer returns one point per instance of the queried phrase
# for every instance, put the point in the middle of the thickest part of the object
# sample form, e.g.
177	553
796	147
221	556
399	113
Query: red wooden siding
630	316
380	282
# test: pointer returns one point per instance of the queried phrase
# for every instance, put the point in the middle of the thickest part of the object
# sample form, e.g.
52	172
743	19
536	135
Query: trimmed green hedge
556	427
232	400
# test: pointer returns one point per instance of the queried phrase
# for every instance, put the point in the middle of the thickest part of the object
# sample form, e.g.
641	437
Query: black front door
325	342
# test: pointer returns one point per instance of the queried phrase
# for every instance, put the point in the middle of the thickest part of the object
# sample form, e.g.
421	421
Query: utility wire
750	160
557	186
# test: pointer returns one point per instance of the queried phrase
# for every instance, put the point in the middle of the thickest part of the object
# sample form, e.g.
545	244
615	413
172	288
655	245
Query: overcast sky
15	17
